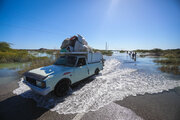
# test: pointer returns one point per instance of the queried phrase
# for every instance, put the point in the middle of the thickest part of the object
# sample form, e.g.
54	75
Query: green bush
169	61
4	46
122	51
39	62
171	69
104	52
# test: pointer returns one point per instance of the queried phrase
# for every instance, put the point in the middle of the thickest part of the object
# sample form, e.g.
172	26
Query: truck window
81	62
66	61
71	60
61	60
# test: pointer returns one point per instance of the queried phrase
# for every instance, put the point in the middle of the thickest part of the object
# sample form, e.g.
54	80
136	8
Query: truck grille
31	80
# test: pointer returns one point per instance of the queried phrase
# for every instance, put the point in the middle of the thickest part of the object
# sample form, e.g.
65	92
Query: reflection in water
8	75
9	71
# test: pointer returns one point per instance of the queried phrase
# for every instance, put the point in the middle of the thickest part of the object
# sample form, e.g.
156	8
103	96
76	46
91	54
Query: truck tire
97	71
62	88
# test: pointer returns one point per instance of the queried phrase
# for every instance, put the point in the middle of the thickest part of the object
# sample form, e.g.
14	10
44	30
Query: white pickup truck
67	70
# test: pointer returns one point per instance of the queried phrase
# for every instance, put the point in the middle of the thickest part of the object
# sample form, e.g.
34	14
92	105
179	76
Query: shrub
4	46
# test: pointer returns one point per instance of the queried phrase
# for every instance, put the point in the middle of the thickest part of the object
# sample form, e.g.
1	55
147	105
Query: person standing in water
135	56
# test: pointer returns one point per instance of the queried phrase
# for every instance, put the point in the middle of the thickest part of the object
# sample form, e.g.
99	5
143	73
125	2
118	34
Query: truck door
81	70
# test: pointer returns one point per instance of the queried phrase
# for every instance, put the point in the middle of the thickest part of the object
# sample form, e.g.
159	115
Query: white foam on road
115	83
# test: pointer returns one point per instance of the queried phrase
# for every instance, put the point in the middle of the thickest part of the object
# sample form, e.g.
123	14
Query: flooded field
9	71
121	77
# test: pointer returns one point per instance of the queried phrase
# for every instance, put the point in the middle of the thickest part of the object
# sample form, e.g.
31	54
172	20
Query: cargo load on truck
77	45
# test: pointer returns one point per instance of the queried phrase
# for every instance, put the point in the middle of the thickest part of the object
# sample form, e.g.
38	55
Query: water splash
116	82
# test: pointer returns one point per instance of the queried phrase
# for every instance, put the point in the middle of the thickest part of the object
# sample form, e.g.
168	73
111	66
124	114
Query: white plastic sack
79	47
82	40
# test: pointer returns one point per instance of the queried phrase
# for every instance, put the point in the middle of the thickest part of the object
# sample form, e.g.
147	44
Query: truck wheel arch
96	72
63	80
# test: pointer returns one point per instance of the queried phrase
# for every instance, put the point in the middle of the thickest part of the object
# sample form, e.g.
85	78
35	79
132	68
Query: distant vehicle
70	68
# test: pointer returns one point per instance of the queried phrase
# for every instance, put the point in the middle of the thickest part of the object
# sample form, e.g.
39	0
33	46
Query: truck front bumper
41	91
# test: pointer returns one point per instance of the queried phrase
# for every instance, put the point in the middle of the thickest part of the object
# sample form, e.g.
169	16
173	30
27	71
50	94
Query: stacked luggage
75	44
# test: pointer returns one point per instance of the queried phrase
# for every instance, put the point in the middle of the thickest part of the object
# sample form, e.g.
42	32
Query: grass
169	53
122	51
9	55
170	65
171	62
39	62
155	50
104	52
36	64
170	69
13	56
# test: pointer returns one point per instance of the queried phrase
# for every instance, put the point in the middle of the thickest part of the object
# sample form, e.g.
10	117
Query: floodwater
9	71
120	78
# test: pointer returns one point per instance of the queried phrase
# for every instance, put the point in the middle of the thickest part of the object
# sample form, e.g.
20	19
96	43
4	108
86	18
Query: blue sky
123	24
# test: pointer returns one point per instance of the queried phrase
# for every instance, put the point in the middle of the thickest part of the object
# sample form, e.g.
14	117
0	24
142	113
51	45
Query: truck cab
59	77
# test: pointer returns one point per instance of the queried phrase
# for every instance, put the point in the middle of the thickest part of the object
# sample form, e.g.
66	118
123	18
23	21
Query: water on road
120	78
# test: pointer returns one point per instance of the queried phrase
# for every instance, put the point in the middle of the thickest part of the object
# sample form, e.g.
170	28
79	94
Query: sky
123	24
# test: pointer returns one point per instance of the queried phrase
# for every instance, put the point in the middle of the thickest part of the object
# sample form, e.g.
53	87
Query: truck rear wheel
62	88
97	71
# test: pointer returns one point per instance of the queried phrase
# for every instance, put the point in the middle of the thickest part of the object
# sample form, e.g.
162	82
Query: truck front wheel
62	88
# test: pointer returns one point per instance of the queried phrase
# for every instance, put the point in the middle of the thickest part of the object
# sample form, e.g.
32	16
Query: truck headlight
41	84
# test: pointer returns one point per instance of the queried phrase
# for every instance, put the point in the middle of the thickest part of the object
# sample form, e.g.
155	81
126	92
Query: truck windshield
66	61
